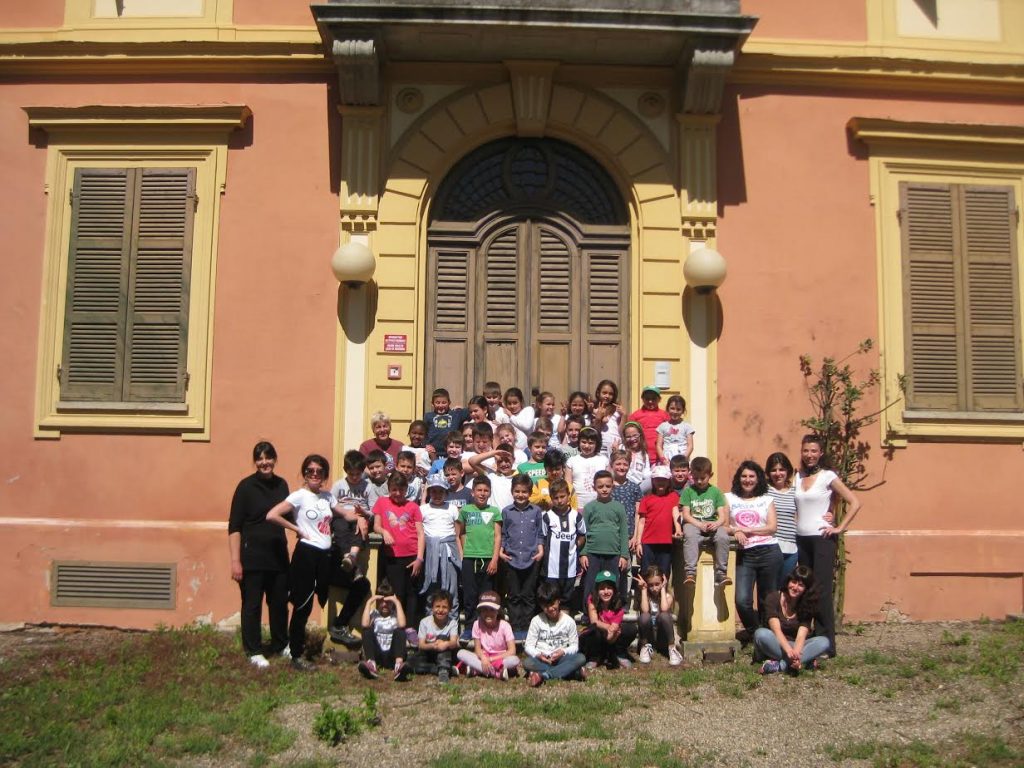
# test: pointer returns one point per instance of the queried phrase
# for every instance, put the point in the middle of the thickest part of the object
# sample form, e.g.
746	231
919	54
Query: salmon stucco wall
92	496
798	231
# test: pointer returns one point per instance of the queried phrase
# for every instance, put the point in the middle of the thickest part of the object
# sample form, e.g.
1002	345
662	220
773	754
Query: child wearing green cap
607	638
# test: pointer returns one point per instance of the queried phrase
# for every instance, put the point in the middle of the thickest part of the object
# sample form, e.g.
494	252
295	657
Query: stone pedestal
707	618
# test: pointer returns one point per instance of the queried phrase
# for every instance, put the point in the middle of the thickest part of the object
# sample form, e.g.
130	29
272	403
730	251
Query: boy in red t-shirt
657	526
649	416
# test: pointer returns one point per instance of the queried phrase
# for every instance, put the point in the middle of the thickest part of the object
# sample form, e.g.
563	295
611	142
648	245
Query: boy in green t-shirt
705	512
479	529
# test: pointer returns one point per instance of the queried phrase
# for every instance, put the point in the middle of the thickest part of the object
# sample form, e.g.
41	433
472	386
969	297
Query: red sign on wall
396	342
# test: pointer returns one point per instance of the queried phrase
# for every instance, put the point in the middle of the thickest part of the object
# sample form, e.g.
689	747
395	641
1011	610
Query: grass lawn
899	695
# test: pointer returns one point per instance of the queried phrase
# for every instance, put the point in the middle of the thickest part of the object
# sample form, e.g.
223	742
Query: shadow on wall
357	311
732	182
702	314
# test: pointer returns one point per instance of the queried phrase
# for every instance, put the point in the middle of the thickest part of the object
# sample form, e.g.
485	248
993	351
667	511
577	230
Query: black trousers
358	591
383	659
566	593
309	577
255	586
398	574
475	581
521	589
594	643
819	554
431	662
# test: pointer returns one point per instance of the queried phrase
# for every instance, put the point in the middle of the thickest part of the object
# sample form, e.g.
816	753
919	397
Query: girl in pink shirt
494	653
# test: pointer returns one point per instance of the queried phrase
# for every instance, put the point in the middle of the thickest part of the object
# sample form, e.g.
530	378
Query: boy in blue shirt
522	549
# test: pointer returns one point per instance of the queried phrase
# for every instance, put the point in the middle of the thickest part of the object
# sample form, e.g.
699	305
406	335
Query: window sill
953	426
964	417
65	406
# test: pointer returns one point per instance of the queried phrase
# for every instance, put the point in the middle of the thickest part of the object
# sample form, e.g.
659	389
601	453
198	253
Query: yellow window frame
945	154
131	137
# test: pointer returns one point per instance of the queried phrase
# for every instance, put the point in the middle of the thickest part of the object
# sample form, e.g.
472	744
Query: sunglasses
313	472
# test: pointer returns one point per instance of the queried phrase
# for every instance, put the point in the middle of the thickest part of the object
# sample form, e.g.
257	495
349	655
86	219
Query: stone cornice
859	67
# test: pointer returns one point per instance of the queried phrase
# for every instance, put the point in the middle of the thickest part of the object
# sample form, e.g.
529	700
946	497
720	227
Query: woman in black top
787	643
259	555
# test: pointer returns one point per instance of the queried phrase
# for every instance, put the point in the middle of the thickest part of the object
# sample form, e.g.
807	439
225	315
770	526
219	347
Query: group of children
503	505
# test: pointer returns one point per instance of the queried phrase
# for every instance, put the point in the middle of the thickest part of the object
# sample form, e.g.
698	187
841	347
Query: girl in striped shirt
781	490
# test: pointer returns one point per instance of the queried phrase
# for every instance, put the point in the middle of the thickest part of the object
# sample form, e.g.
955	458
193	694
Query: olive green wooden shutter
157	328
960	297
992	313
126	322
97	297
931	297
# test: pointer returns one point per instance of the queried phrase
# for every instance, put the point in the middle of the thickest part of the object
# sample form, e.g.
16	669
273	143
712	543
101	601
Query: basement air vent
113	585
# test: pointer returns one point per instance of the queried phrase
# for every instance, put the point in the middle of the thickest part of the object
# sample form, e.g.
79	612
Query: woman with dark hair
780	472
307	512
786	643
259	555
752	521
816	536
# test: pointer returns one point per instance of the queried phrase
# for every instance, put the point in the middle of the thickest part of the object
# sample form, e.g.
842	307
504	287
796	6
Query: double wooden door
527	300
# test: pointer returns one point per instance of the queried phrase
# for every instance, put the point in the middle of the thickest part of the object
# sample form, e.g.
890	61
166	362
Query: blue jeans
789	562
768	644
758	565
564	668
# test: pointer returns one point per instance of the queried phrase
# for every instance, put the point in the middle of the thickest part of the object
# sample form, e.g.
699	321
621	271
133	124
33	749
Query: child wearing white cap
442	550
494	645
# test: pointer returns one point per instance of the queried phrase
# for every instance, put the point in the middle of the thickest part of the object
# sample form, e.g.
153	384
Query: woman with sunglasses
307	512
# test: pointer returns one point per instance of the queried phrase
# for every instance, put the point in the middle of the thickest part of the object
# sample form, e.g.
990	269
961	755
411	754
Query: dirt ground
883	690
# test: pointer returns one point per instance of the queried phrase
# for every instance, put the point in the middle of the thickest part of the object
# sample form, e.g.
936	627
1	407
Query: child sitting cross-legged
383	635
552	643
494	651
607	638
439	636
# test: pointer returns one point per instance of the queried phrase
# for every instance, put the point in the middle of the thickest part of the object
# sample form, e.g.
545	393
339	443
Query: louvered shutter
449	358
98	267
555	367
607	297
501	316
931	297
992	314
126	323
157	330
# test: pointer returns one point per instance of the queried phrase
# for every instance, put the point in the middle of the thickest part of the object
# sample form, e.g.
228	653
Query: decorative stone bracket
701	97
362	126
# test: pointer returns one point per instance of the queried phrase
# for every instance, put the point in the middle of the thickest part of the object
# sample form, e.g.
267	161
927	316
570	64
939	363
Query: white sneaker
286	653
259	661
646	653
675	658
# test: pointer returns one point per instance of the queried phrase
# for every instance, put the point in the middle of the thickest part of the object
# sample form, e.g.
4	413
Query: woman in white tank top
816	534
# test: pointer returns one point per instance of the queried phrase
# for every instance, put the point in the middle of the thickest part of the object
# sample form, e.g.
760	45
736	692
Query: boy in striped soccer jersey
564	535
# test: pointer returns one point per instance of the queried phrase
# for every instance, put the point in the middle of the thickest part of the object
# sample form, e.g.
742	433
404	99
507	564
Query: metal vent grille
113	585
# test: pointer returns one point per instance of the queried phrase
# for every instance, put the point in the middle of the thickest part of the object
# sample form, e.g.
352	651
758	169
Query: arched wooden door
528	272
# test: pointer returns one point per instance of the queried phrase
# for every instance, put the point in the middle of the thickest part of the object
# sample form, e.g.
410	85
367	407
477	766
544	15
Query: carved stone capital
531	94
361	147
358	63
705	80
